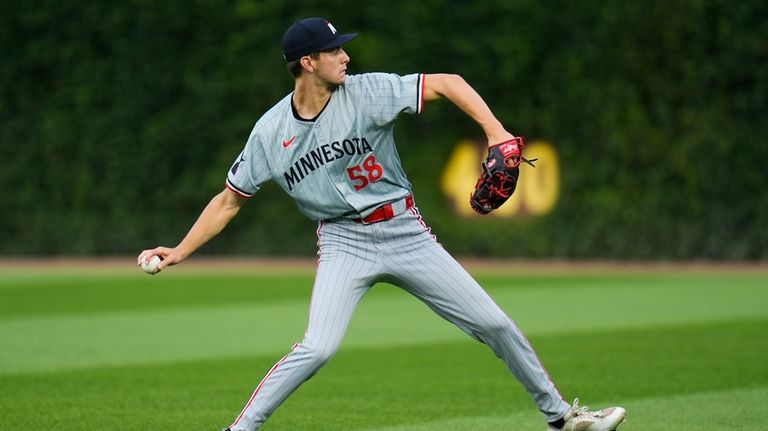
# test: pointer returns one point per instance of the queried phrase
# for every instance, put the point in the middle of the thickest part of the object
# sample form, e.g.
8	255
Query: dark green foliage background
119	120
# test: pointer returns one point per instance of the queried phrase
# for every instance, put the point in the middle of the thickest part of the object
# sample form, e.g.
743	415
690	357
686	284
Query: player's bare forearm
461	94
216	215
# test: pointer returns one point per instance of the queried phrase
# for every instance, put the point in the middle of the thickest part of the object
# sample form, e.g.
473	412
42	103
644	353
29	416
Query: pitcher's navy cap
311	35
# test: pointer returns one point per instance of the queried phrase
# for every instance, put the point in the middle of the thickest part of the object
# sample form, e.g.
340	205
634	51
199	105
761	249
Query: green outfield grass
183	351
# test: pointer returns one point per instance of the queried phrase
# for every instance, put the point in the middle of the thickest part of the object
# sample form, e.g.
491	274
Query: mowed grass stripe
420	387
386	316
35	294
731	410
62	293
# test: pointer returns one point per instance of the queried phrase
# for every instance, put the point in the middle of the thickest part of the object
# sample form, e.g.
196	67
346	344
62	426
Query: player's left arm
461	94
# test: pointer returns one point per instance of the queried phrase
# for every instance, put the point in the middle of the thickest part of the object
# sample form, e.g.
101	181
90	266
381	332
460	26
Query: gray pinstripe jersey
342	164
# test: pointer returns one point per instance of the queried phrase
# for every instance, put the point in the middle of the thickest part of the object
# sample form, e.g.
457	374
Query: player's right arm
216	215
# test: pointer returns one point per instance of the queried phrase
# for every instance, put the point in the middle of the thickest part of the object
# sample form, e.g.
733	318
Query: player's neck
309	98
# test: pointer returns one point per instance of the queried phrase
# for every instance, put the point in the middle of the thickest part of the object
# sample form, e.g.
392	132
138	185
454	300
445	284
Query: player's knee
494	325
319	355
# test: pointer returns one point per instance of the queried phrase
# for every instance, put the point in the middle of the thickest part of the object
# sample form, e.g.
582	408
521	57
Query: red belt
384	212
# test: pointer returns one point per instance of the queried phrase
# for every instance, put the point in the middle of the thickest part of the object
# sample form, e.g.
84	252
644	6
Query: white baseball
151	266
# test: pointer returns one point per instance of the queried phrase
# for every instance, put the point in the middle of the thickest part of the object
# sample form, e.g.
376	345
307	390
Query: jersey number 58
373	172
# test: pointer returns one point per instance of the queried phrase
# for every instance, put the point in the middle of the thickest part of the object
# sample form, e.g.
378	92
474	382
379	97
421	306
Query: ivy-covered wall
120	119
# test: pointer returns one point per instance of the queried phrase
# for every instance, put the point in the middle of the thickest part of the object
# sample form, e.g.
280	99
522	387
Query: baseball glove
499	178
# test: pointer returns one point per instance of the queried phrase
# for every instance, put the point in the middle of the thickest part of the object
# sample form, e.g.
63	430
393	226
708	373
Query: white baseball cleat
581	419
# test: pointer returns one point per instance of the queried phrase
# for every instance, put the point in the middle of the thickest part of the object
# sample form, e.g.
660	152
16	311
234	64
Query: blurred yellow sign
537	188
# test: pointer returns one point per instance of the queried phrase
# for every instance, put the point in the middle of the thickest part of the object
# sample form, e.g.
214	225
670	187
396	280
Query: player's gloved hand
499	177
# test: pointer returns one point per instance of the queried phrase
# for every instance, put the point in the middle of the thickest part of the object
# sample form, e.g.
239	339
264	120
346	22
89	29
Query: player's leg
427	271
438	280
342	279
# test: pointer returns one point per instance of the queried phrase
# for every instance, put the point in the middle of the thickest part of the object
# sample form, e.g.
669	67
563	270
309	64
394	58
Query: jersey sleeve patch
249	169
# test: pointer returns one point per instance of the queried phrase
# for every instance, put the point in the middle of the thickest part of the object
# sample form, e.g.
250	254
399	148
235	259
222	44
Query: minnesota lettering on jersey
323	154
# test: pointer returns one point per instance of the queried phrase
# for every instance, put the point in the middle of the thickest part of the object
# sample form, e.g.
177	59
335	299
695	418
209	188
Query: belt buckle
362	220
387	209
378	219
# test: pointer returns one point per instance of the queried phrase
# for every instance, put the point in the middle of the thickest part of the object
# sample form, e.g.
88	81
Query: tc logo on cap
333	29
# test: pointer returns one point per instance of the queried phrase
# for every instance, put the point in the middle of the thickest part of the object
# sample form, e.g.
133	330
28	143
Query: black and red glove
498	181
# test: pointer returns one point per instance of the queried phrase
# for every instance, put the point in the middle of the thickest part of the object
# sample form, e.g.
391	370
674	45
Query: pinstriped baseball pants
401	251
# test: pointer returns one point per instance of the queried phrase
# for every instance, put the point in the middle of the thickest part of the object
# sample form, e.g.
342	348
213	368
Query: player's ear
306	63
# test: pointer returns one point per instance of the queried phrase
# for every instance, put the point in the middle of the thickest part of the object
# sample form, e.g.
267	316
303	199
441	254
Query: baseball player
329	145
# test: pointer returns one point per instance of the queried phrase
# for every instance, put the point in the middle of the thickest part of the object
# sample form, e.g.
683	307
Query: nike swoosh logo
288	142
